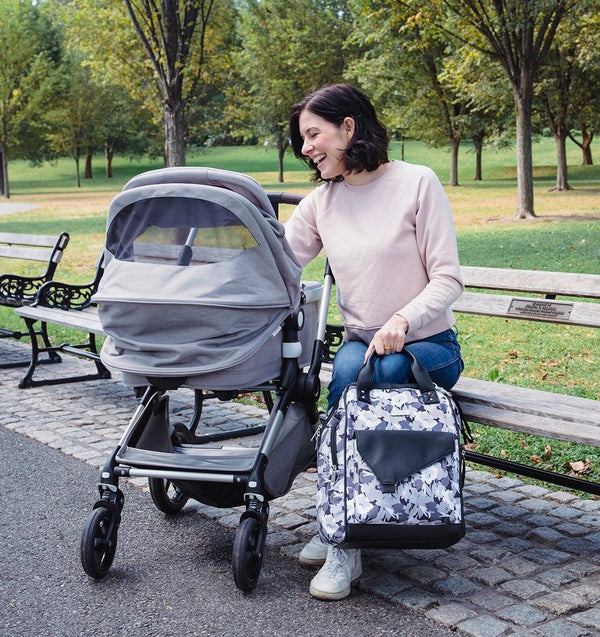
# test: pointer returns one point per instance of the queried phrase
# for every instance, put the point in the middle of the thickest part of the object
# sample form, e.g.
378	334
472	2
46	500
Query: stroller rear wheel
167	497
99	542
248	548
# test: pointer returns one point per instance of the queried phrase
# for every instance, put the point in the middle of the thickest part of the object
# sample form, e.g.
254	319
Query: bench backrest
532	295
34	247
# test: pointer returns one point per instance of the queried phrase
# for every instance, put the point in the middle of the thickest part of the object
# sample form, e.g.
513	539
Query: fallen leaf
536	459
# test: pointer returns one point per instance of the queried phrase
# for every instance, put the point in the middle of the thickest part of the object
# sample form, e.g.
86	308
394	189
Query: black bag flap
395	455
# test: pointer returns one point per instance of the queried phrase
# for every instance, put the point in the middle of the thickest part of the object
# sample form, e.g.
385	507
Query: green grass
566	237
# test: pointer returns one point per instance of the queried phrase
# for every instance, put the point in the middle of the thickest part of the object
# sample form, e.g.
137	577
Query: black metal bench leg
53	357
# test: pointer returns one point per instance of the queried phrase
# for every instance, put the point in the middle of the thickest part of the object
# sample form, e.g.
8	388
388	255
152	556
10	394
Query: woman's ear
349	127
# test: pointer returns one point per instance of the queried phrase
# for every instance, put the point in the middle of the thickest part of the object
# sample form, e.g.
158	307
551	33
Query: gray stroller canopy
198	274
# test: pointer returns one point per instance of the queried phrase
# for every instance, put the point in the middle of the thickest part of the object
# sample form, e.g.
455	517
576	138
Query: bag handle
366	375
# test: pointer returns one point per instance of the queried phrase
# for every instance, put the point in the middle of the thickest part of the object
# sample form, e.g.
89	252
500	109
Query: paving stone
490	576
589	618
450	614
522	614
481	536
562	628
534	491
423	574
511	528
524	588
579	545
456	586
481	519
383	584
492	554
484	626
556	577
415	599
490	599
510	512
479	504
572	528
565	512
546	556
545	534
560	602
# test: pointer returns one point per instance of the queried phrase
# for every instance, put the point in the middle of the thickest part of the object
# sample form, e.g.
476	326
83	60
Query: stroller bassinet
201	290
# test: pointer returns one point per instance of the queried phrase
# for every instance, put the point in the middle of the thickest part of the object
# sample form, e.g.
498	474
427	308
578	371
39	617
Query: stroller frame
177	462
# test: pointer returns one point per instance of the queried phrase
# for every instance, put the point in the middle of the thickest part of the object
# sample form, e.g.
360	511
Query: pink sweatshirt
391	245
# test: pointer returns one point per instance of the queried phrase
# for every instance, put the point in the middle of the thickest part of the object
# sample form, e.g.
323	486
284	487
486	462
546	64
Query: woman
388	232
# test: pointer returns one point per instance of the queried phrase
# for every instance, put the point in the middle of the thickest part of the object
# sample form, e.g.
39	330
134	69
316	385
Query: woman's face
325	142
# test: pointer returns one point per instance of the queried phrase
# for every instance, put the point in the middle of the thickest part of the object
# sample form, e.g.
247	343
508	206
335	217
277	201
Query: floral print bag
390	466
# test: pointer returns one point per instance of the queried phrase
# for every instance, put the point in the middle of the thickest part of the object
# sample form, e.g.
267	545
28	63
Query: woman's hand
390	338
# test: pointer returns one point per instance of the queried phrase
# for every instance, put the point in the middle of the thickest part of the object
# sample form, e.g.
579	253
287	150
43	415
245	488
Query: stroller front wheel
247	557
167	497
99	542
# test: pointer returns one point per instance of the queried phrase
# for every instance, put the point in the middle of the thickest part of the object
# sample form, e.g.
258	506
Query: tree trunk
282	144
4	172
523	105
77	176
562	182
88	164
174	132
586	145
454	147
478	144
108	153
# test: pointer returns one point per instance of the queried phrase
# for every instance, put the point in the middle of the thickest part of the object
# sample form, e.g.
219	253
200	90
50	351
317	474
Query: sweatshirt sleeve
436	240
301	232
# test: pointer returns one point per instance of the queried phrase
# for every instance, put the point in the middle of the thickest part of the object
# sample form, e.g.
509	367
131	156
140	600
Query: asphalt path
170	577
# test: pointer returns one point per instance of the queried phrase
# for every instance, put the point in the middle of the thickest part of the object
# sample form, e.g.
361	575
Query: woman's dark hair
367	149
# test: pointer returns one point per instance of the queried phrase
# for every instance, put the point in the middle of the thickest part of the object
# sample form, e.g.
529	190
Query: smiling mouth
317	160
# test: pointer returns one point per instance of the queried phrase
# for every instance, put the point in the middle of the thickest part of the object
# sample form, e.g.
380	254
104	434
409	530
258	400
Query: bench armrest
69	296
16	290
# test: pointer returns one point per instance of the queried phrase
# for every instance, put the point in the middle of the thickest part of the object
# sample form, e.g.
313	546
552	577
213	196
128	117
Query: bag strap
366	375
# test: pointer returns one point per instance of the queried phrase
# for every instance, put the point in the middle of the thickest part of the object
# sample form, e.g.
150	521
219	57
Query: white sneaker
342	567
314	553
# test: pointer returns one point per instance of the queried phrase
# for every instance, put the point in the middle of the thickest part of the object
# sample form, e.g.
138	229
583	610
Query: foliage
297	53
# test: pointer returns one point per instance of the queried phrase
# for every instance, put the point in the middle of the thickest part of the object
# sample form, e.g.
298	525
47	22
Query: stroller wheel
167	497
247	555
99	542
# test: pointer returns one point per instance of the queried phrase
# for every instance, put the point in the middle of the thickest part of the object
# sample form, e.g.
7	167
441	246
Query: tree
75	120
175	35
406	66
29	51
288	49
568	85
518	34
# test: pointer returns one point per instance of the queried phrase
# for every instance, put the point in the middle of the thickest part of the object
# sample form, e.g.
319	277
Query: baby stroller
202	291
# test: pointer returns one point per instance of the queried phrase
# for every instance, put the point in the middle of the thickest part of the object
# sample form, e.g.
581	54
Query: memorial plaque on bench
540	309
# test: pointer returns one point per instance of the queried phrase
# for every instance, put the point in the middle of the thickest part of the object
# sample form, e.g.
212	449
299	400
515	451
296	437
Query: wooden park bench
17	290
558	298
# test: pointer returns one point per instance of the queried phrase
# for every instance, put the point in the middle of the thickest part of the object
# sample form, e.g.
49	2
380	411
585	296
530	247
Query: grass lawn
564	237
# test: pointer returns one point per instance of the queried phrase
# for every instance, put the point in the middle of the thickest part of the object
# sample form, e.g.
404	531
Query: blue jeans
439	355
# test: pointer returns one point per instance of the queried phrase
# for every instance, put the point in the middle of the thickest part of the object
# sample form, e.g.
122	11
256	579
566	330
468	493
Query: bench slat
534	281
533	411
86	319
20	252
28	239
481	303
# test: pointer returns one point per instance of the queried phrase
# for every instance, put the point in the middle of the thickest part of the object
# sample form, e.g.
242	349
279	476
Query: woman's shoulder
402	167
